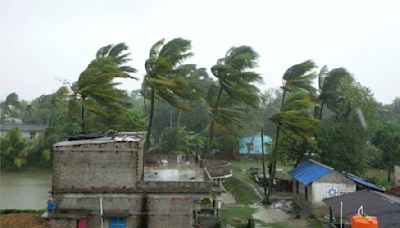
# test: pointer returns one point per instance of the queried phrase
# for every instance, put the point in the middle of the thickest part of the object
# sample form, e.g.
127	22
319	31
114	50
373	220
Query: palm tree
96	88
235	80
297	121
321	78
297	77
331	93
167	78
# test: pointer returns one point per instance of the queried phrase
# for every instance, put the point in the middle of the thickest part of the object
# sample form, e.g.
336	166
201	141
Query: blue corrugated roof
362	182
309	172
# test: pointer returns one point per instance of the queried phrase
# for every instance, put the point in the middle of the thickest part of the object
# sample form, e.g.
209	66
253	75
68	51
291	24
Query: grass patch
237	216
242	193
243	213
316	224
379	176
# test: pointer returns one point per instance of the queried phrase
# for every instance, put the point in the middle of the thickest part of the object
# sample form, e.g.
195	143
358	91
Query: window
306	193
297	187
117	223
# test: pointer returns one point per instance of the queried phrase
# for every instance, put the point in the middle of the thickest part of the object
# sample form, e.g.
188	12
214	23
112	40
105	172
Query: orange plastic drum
363	221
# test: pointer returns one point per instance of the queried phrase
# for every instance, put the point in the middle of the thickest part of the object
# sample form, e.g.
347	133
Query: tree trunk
147	145
170	118
83	115
388	175
320	111
211	128
298	160
263	161
178	121
144	106
274	156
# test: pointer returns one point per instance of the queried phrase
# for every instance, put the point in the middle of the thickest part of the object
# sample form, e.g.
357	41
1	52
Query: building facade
104	182
313	182
28	131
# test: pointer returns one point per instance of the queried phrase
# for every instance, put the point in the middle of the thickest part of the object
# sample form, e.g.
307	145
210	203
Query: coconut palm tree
331	93
297	77
167	78
297	121
235	79
96	87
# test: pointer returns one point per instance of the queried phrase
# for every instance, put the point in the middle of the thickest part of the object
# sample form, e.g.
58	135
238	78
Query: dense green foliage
184	109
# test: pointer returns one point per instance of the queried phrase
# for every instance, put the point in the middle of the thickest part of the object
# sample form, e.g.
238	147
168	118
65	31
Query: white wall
397	175
325	190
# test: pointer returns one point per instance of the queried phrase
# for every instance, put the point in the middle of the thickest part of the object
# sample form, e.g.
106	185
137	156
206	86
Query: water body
25	190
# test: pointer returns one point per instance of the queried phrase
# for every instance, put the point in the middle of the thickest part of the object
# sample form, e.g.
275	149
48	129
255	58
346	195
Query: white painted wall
321	190
397	175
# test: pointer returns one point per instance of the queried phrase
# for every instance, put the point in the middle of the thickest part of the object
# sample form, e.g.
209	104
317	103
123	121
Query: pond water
25	190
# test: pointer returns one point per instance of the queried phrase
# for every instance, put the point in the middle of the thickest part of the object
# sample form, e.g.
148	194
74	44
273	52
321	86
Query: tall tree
349	123
387	139
236	79
297	77
96	89
297	121
167	78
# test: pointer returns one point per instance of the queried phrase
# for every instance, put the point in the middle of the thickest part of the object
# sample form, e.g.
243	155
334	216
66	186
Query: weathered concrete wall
331	185
109	167
169	211
397	175
151	210
62	223
121	203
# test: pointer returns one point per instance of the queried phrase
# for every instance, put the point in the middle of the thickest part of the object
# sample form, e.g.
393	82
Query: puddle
280	211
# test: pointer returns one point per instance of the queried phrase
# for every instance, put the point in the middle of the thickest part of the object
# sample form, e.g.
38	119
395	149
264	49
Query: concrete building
313	181
28	131
397	175
251	145
103	182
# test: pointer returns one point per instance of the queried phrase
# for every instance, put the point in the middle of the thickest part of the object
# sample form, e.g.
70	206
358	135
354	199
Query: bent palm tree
96	88
331	93
297	77
167	78
235	79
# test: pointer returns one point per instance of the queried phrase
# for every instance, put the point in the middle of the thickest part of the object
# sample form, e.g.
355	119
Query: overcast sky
42	40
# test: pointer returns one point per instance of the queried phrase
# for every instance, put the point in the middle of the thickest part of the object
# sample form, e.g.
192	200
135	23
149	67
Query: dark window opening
306	193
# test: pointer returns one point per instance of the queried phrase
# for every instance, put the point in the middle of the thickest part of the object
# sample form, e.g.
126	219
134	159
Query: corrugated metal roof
385	207
362	182
309	172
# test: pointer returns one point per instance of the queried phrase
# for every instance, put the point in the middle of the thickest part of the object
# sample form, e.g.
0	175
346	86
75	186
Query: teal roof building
252	145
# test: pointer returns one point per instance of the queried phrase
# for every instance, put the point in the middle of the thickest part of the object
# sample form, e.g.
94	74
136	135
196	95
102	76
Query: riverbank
18	220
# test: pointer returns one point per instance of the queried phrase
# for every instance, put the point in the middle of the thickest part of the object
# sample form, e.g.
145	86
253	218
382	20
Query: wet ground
280	211
173	174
